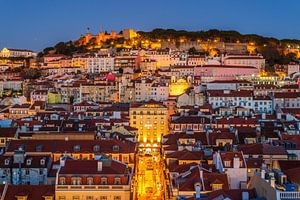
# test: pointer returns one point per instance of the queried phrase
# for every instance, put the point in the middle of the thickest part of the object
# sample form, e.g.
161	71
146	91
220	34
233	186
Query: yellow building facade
151	120
178	87
54	97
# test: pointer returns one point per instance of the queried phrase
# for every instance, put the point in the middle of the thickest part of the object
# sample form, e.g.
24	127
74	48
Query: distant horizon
39	24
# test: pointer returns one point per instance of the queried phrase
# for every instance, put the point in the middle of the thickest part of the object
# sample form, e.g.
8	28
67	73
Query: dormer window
227	163
62	180
116	148
6	162
96	148
76	181
42	161
28	162
39	148
117	181
103	181
21	197
48	197
90	181
76	148
216	187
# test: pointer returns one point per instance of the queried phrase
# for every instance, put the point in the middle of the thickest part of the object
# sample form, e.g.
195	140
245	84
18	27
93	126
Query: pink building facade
223	72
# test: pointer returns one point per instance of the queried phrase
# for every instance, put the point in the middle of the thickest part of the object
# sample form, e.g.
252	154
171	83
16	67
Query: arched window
62	180
103	181
90	181
117	181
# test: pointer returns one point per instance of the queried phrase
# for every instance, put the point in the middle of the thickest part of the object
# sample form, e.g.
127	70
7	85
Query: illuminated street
149	174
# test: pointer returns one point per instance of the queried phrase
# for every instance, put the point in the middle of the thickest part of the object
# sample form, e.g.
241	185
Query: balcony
288	195
92	187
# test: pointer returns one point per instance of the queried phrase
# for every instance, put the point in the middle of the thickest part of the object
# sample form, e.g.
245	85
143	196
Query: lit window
103	181
117	180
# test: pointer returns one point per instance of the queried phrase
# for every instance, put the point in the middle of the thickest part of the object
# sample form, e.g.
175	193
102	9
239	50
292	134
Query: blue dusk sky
36	24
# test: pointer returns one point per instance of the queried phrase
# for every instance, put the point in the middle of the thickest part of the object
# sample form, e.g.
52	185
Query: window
61	198
125	159
75	197
103	197
117	197
216	187
117	181
115	148
76	181
27	172
227	163
89	198
96	148
103	181
28	162
90	180
6	162
62	180
76	148
42	162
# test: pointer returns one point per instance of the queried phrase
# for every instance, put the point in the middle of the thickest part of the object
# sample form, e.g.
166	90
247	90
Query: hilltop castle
103	36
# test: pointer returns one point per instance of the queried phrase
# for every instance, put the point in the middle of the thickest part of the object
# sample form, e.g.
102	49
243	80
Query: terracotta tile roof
186	155
229	156
262	98
33	192
187	182
227	66
288	164
261	149
191	120
223	93
233	194
254	162
223	134
237	120
35	162
286	95
84	167
55	146
8	132
21	106
173	138
293	86
293	175
174	167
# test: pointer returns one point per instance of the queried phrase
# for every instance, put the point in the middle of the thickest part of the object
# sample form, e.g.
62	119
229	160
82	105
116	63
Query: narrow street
149	174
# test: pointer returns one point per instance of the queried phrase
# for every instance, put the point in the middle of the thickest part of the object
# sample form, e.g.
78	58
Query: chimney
236	161
272	182
263	174
197	190
62	161
99	166
245	196
201	174
283	179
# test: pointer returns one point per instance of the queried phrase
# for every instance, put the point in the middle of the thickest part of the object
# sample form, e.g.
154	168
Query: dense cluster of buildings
149	123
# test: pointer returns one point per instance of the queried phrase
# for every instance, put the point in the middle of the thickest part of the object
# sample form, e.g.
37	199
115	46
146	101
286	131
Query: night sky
36	24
